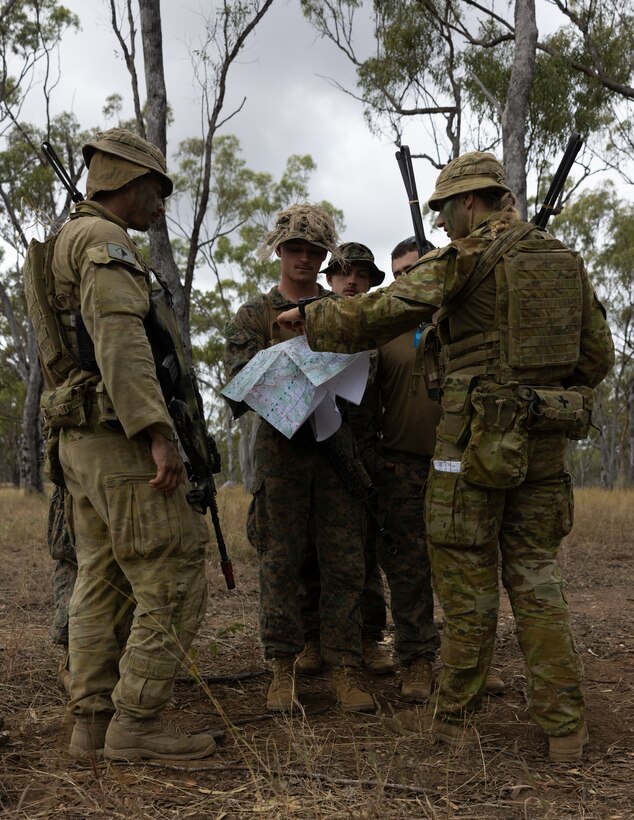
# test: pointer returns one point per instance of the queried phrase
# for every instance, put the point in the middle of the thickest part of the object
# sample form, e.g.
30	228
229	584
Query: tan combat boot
282	696
130	738
89	734
309	659
417	680
494	684
568	748
376	657
345	685
422	719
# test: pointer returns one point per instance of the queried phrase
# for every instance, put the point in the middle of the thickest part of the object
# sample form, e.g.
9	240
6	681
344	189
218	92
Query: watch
301	304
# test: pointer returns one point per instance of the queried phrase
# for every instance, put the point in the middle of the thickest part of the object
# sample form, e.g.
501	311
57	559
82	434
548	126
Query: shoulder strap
485	265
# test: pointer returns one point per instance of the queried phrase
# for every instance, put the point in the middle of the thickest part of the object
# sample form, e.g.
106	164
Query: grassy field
320	763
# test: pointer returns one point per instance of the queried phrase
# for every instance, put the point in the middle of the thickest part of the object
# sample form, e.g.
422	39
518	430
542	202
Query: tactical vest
269	326
538	311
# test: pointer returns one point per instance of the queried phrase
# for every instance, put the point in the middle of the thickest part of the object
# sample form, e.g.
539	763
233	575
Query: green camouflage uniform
65	572
467	524
299	500
126	534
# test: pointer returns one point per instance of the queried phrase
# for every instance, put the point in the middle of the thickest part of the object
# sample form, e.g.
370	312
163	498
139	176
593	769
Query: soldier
132	524
358	274
524	342
298	498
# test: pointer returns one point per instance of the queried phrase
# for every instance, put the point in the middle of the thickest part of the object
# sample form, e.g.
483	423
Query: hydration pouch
67	406
557	410
456	404
496	455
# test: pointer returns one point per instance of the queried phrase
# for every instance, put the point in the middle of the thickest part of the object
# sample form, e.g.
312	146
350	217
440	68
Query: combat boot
282	696
130	738
345	685
89	734
309	659
494	684
422	720
417	680
376	657
568	748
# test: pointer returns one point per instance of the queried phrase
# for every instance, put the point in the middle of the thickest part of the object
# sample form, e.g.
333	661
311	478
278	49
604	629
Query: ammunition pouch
67	406
496	455
427	362
457	410
557	410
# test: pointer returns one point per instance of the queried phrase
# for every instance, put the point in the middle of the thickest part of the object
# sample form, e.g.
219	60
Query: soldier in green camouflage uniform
133	527
298	498
357	275
520	326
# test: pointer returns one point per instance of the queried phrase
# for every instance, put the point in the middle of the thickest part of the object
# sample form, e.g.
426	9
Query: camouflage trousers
65	571
401	511
470	530
133	545
299	500
372	604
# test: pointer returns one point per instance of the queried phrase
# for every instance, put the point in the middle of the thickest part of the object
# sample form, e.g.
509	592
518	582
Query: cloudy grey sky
290	109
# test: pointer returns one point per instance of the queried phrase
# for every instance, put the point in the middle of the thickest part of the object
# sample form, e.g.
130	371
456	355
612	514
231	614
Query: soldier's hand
169	464
291	320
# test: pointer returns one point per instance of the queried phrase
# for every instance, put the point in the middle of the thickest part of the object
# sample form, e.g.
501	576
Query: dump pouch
67	406
456	403
559	410
496	455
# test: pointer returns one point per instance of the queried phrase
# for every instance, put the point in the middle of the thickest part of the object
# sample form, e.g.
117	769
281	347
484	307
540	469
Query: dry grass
320	763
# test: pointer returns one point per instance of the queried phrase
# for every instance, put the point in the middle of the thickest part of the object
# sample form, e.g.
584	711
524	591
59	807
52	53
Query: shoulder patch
108	252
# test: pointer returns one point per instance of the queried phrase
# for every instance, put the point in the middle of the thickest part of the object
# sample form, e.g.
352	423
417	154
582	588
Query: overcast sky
290	109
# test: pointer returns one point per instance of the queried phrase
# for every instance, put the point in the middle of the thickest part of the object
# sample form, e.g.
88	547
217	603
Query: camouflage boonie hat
469	172
310	223
356	252
132	149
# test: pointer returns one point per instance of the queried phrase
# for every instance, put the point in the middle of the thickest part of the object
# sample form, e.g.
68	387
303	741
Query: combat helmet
470	172
356	252
305	221
128	156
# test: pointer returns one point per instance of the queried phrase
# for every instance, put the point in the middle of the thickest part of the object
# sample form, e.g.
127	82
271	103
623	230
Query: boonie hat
356	252
469	172
310	223
125	145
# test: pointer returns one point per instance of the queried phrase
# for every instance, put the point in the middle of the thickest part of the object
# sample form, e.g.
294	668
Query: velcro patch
113	252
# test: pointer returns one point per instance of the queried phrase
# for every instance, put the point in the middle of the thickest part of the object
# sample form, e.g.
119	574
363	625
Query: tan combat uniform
487	348
126	534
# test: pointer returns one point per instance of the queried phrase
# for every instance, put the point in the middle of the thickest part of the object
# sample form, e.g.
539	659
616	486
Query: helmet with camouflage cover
117	156
356	252
470	172
304	221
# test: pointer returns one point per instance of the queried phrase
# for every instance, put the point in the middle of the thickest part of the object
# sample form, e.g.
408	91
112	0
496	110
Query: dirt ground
322	763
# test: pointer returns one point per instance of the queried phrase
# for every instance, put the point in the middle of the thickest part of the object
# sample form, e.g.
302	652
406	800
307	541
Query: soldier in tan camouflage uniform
298	498
524	342
133	527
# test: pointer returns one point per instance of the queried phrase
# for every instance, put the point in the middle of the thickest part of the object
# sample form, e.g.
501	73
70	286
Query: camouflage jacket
370	320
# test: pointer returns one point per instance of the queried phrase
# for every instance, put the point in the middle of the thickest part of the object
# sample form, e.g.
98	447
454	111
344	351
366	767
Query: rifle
404	159
185	405
552	201
357	481
180	390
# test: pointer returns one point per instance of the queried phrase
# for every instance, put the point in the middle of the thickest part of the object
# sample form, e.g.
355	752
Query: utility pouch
427	362
106	413
52	465
557	410
67	406
456	403
496	455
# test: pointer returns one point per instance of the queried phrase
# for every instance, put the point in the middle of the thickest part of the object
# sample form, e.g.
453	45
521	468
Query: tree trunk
31	440
516	108
156	127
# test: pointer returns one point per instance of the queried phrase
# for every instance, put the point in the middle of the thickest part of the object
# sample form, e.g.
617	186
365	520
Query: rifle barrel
549	205
62	173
